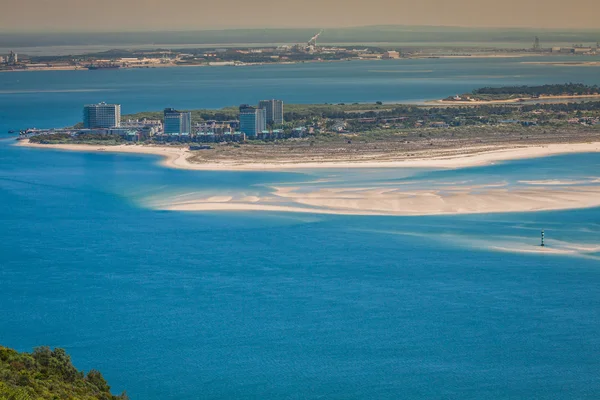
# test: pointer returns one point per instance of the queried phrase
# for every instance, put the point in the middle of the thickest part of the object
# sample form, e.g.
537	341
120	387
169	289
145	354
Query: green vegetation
86	138
48	374
292	111
356	114
517	92
573	89
325	122
223	114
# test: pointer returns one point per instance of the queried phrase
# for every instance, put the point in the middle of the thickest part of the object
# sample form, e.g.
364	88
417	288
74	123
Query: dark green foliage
571	89
96	379
305	113
85	138
48	374
224	114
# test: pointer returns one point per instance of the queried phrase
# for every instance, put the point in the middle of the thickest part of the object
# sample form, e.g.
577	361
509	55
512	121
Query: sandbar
386	201
384	198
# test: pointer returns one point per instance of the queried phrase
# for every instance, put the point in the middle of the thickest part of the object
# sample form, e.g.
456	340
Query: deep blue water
280	305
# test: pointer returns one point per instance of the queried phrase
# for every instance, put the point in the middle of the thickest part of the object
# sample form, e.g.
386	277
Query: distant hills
386	34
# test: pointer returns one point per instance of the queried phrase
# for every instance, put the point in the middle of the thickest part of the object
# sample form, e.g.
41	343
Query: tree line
571	89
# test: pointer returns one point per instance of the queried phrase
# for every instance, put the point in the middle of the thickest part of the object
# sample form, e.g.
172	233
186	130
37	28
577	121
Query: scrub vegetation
529	92
49	374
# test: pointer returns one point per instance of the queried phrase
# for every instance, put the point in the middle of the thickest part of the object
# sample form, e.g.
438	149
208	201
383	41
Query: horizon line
190	30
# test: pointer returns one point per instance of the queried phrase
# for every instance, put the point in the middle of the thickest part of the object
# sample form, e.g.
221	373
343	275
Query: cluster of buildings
254	122
11	59
579	49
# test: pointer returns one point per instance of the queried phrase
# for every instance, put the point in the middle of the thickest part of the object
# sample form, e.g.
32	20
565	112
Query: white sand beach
179	157
384	198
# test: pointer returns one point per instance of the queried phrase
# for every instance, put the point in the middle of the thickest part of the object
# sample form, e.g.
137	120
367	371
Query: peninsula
342	136
269	137
513	94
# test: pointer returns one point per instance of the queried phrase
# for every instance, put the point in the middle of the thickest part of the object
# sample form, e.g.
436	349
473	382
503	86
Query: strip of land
340	137
564	98
514	94
182	157
565	63
392	199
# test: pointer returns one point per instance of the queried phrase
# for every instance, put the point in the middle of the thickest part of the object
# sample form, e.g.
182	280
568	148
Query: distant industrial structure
101	115
308	47
274	111
177	122
252	120
578	49
390	55
11	59
312	43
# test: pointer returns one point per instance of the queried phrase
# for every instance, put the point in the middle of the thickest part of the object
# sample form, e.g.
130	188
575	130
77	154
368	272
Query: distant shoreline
160	66
516	100
413	57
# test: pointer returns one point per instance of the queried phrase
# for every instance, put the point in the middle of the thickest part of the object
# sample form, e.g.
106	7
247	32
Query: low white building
390	55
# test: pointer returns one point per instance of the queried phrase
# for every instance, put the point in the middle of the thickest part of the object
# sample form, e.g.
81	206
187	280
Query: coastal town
262	122
268	121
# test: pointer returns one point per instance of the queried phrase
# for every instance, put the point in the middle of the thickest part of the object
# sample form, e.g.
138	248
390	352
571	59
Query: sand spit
383	199
391	201
179	157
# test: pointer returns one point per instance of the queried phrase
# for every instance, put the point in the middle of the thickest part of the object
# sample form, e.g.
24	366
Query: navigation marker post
542	238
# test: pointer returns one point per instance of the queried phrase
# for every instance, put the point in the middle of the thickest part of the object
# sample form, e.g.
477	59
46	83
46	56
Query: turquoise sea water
222	305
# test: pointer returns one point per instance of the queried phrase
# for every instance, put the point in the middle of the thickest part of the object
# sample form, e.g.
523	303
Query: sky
156	15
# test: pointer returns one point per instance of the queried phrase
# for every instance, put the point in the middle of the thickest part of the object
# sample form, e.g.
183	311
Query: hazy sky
123	15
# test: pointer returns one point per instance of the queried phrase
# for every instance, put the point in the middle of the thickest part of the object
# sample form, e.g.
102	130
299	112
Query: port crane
313	40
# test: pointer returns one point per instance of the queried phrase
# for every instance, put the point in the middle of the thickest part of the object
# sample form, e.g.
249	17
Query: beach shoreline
179	157
558	99
376	199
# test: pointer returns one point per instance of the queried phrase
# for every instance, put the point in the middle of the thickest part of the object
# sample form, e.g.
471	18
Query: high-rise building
252	120
13	58
274	110
101	115
177	122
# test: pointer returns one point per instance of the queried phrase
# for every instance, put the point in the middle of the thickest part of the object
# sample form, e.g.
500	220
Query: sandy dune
178	157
